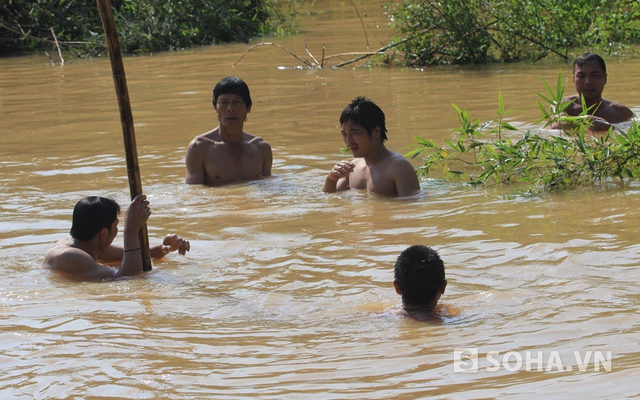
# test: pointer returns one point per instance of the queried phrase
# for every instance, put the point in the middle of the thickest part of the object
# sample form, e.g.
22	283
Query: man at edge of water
94	227
589	78
227	153
375	168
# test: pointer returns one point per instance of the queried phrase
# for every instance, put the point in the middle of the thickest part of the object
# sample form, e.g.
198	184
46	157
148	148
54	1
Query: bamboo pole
126	118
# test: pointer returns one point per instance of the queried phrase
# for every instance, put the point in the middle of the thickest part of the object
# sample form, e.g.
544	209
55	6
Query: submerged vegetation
496	152
481	31
143	25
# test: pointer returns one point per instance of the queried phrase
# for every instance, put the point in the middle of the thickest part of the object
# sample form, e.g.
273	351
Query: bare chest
374	179
227	163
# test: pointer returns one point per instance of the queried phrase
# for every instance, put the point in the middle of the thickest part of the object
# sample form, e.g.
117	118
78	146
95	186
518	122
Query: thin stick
271	44
126	118
380	50
58	46
309	53
362	22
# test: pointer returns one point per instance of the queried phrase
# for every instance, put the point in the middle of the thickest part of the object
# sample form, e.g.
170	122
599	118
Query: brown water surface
282	293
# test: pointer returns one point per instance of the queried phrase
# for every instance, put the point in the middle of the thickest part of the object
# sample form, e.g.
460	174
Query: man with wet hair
375	168
89	246
419	279
589	78
227	153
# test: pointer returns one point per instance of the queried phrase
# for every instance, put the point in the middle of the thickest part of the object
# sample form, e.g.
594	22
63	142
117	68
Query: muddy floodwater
284	292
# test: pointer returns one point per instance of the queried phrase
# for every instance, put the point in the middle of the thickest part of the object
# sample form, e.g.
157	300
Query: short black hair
419	274
364	112
586	57
232	85
91	214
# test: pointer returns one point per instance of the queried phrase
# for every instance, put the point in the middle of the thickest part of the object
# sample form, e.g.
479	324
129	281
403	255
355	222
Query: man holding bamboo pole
90	244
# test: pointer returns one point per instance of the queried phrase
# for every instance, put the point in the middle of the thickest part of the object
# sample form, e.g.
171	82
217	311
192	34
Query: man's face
231	110
589	80
357	138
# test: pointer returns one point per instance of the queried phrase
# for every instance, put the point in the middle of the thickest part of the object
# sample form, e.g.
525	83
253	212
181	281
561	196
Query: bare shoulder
64	258
397	160
255	140
404	175
200	147
259	143
619	111
206	139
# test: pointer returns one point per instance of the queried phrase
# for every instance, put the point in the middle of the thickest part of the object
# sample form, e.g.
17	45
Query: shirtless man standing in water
589	77
375	168
227	153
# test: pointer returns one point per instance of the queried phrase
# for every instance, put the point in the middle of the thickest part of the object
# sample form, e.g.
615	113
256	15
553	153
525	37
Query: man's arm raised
137	215
338	178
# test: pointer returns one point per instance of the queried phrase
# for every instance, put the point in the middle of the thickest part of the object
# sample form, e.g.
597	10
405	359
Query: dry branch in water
57	46
321	64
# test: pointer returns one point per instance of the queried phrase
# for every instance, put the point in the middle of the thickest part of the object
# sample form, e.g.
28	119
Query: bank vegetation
483	31
143	25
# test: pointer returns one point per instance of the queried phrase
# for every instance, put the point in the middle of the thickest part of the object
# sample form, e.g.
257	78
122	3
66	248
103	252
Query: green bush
480	31
143	25
495	152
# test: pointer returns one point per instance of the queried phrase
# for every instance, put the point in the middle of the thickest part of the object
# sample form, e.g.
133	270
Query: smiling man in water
590	77
227	153
375	168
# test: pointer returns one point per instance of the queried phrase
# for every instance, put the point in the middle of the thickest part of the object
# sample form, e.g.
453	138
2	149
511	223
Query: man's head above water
419	278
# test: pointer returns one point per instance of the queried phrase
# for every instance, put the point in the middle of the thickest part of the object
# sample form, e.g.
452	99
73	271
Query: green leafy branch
496	152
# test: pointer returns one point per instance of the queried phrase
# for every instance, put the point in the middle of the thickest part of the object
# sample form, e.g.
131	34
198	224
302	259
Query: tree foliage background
480	31
143	25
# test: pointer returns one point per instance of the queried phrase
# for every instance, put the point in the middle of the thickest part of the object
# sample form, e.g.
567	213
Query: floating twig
365	55
272	44
320	64
311	55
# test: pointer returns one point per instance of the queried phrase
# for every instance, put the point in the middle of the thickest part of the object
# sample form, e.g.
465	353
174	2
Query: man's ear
248	109
376	132
104	234
443	286
395	284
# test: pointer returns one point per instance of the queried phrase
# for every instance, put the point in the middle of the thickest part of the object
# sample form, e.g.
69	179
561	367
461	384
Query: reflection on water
282	293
